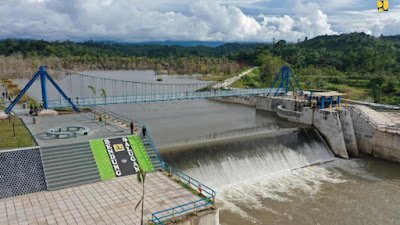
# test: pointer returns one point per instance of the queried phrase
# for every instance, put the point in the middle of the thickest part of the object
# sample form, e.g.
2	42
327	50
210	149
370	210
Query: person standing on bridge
132	125
144	131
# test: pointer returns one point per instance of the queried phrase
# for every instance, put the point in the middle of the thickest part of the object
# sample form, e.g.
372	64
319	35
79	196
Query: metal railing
206	192
90	101
384	126
192	207
374	105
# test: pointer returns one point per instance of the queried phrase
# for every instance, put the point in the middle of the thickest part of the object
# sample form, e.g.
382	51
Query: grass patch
82	109
23	136
102	159
140	153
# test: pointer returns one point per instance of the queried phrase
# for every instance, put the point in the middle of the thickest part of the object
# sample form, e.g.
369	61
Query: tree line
357	64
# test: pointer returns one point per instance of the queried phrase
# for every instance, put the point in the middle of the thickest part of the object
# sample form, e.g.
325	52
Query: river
266	170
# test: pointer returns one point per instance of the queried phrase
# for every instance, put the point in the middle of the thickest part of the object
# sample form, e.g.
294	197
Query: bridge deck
82	102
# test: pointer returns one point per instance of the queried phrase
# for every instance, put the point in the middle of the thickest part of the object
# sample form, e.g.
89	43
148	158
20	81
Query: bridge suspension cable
78	85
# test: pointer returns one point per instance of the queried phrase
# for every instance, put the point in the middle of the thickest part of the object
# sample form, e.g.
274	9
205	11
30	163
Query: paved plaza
97	129
107	202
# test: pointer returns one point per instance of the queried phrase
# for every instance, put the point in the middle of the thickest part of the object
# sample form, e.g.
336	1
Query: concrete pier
328	123
348	132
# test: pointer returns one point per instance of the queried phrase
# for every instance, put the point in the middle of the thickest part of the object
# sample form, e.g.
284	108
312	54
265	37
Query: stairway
151	153
69	165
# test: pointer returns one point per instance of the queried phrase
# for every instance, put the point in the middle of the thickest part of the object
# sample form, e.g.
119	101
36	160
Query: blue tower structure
43	76
285	74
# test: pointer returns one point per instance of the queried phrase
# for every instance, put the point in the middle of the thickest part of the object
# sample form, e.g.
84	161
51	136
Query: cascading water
246	170
231	161
268	179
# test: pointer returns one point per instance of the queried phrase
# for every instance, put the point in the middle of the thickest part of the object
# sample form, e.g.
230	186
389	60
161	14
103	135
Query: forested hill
357	64
40	48
347	53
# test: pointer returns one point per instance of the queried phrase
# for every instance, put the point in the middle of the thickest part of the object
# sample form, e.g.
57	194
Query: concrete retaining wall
245	100
307	116
268	103
271	103
373	142
328	124
208	217
288	114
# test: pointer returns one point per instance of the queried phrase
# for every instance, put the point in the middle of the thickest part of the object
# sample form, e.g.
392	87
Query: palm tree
94	99
141	176
104	94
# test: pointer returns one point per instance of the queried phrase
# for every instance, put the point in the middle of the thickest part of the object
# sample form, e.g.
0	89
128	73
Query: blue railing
90	101
187	181
194	206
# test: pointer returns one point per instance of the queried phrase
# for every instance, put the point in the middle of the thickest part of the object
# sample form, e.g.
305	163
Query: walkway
227	82
393	116
378	117
383	106
61	103
107	202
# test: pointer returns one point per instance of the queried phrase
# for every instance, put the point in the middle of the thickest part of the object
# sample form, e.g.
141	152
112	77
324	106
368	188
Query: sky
193	20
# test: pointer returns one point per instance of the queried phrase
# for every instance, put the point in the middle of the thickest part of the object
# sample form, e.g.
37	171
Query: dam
265	168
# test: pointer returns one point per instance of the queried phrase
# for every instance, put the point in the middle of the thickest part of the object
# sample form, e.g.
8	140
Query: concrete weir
336	126
348	132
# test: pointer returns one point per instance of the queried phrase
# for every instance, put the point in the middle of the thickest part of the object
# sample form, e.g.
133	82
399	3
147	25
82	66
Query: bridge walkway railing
84	102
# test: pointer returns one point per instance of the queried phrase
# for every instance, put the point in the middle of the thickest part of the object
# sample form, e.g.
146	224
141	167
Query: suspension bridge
81	90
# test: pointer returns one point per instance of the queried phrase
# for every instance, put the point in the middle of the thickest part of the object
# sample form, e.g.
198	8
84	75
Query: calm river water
258	163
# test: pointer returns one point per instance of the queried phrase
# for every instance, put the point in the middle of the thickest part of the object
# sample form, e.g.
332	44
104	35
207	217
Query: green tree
94	98
104	95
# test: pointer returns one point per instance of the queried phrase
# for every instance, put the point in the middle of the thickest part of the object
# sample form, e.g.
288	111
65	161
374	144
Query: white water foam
266	172
280	186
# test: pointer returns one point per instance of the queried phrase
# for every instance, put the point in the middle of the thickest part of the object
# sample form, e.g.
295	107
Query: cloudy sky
199	20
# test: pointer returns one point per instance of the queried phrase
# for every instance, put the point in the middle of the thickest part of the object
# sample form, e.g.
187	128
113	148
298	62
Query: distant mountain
179	43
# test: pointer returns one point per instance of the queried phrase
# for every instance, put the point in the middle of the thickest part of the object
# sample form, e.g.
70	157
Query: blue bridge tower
43	76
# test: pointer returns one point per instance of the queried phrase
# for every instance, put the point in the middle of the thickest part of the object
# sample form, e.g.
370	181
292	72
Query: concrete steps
151	153
69	165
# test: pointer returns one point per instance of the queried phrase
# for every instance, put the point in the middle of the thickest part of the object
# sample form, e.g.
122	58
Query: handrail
188	181
90	101
135	82
378	125
194	206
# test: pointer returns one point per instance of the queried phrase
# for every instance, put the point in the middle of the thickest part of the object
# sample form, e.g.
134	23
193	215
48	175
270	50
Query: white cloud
139	20
370	21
